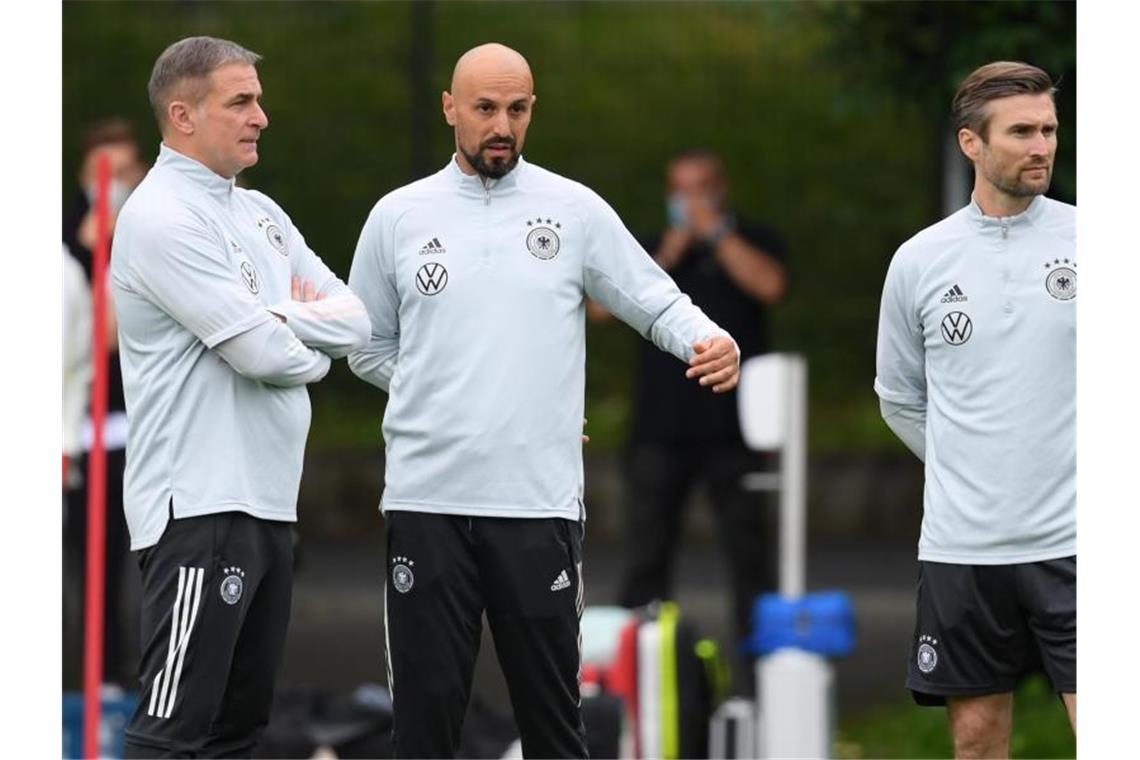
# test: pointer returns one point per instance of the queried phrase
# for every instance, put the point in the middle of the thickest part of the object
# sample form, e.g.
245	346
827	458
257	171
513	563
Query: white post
795	688
793	495
795	702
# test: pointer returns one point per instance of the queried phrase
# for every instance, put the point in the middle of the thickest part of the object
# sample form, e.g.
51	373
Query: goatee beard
493	170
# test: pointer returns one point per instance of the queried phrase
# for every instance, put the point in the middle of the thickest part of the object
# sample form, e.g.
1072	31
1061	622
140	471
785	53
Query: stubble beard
1013	185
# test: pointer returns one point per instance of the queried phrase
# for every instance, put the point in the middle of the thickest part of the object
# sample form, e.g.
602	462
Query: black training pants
443	571
659	479
217	591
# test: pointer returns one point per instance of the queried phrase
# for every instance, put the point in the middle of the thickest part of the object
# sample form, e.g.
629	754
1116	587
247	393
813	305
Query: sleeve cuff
237	328
905	398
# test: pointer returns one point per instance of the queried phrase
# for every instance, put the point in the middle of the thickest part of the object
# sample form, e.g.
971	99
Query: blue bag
822	622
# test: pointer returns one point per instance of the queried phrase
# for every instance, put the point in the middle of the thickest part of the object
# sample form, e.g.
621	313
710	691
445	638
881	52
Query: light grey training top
477	299
215	355
978	329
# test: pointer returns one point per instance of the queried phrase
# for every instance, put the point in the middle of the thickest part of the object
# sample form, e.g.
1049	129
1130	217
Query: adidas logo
954	295
561	582
433	246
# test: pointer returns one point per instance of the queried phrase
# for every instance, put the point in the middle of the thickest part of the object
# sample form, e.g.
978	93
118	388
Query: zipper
486	253
1006	276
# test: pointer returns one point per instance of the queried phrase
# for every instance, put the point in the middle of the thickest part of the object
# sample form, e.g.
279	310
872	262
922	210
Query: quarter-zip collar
1031	214
480	187
216	185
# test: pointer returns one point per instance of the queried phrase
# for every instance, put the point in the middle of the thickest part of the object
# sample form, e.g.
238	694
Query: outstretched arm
621	276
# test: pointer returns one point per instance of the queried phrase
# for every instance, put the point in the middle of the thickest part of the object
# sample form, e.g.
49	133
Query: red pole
96	474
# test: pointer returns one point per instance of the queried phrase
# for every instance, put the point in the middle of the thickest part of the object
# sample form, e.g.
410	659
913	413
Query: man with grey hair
225	314
976	372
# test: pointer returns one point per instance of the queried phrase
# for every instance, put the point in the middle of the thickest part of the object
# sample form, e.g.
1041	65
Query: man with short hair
976	374
225	314
475	279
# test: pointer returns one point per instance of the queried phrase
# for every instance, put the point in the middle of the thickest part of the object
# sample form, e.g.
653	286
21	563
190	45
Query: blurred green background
831	117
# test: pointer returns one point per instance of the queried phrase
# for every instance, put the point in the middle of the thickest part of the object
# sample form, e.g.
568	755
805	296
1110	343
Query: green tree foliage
924	50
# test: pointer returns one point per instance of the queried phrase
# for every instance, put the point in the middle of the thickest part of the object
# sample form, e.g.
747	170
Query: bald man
475	279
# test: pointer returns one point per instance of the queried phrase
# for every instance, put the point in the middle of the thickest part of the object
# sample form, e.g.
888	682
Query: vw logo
957	328
431	278
249	277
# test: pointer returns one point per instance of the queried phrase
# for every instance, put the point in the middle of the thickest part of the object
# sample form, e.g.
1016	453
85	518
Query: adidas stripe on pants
443	572
216	597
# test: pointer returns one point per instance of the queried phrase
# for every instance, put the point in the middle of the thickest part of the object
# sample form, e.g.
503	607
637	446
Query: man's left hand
303	291
716	362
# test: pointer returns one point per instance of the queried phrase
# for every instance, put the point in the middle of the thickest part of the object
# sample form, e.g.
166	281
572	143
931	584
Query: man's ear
971	143
448	108
180	117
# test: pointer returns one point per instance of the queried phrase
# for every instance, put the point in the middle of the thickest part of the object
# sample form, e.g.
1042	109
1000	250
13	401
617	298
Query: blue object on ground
117	710
821	622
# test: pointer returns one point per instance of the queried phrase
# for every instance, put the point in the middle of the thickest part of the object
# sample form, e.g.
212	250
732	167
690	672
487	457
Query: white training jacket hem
969	558
570	512
143	542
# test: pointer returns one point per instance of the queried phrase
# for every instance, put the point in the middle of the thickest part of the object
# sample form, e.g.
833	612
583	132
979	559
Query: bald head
490	64
489	105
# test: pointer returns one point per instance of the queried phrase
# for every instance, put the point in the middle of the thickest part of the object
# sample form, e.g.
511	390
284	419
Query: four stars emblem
542	240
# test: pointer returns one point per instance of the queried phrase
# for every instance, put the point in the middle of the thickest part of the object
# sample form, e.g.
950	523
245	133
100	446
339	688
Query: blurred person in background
733	268
475	278
976	374
225	316
76	365
113	139
77	371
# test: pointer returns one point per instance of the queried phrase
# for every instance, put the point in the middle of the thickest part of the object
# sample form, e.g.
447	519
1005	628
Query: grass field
1040	729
